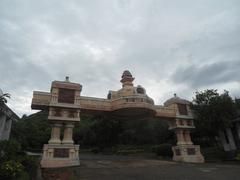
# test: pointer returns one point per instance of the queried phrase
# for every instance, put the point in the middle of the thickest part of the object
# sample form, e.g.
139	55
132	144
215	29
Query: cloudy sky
169	46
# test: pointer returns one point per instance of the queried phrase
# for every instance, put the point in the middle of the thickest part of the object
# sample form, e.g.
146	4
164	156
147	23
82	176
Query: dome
140	90
175	100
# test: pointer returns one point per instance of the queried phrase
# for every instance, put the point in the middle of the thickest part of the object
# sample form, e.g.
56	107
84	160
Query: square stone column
60	155
238	129
55	134
68	132
180	137
187	137
63	105
2	125
187	153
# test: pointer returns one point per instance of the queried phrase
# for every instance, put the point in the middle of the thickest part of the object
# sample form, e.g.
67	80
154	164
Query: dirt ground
109	167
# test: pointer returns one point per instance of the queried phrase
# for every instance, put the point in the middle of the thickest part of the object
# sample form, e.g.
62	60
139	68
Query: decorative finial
127	78
126	73
67	79
175	95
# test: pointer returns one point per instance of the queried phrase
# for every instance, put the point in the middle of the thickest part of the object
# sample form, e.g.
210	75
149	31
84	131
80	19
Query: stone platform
187	153
60	155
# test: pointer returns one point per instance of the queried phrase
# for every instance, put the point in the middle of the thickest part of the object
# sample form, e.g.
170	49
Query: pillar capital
69	125
57	124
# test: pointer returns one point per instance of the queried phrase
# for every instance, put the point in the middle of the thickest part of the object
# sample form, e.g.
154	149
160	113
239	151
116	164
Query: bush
238	157
30	163
213	154
13	160
163	150
129	151
95	150
10	150
10	169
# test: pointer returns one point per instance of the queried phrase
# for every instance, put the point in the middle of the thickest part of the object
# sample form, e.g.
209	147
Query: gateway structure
65	105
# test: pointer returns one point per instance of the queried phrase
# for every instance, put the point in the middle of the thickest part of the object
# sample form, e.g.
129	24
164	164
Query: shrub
238	156
163	150
95	150
30	164
13	160
9	149
10	169
129	151
213	154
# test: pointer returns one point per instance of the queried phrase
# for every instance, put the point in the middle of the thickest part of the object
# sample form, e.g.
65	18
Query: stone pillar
185	151
180	137
231	139
7	129
187	137
238	129
223	140
55	134
2	125
68	131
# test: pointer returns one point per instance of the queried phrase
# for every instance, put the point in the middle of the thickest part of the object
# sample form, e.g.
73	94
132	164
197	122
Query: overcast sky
169	46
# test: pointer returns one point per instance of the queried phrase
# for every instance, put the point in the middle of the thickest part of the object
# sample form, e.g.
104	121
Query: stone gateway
65	104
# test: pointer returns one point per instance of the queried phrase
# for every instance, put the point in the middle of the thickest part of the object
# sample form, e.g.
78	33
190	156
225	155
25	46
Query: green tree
32	131
213	112
9	150
237	103
4	97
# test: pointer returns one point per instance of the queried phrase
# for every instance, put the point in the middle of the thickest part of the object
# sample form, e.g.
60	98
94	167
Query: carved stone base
60	155
187	153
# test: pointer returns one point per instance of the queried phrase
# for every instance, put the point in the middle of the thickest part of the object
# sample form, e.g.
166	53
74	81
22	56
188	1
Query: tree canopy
4	97
213	112
93	131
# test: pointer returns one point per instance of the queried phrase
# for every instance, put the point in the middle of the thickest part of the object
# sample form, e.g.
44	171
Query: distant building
7	116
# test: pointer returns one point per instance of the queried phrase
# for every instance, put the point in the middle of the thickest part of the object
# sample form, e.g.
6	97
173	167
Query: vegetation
213	112
103	132
163	150
238	156
32	131
97	133
4	97
213	153
15	164
10	170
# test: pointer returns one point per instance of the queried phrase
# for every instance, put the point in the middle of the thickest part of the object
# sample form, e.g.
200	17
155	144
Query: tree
237	103
32	131
213	112
3	97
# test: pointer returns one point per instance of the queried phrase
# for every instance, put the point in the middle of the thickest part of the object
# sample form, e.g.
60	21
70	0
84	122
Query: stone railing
100	104
40	99
132	101
165	112
97	104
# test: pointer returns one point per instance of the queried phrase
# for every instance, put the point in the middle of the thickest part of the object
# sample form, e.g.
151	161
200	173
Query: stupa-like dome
175	100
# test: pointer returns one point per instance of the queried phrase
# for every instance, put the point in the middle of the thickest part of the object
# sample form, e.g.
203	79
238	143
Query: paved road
94	167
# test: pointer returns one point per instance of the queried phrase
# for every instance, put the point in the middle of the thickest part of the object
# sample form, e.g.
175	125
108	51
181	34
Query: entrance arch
65	105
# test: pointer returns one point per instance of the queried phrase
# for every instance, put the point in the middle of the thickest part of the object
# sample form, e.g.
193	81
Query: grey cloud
94	41
204	75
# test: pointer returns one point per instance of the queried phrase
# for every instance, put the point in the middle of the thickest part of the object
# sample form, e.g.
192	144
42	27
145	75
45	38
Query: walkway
94	167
